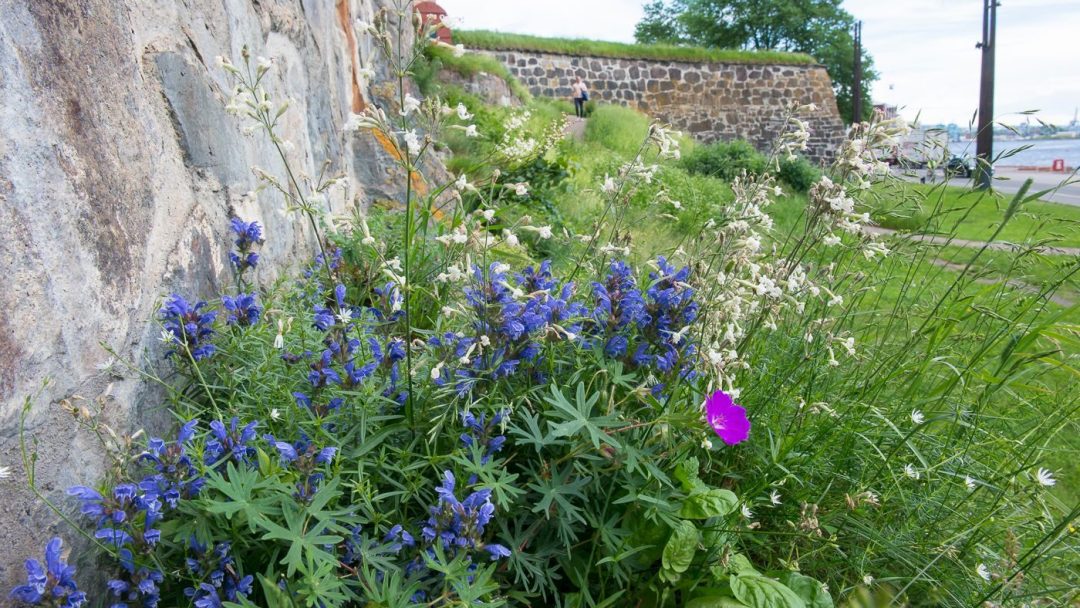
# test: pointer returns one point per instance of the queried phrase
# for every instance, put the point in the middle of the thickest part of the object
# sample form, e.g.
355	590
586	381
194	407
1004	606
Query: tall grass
492	40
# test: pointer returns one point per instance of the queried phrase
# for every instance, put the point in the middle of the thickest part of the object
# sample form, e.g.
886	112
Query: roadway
1008	181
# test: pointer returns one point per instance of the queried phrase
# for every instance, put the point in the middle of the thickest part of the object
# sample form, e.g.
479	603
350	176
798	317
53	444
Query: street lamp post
984	142
856	87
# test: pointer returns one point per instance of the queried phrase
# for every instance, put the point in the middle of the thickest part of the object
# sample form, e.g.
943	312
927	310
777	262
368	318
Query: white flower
489	214
609	185
366	72
410	105
706	443
983	572
521	189
463	112
867	580
774	497
911	472
545	232
969	482
511	238
1045	477
831	240
412	142
344	316
264	64
746	512
5	472
459	50
275	414
436	371
917	417
167	336
363	26
470	131
279	341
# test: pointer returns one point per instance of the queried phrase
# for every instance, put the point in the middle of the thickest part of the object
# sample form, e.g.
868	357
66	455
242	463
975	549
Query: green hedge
485	39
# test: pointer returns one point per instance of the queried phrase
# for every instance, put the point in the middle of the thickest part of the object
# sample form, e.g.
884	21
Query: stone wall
711	101
119	169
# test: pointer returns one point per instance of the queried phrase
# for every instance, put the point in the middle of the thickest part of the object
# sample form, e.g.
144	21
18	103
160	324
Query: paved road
1008	181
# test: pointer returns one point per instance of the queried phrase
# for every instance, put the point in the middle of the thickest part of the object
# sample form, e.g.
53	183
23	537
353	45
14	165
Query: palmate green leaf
530	434
577	417
680	548
757	591
305	536
240	487
557	491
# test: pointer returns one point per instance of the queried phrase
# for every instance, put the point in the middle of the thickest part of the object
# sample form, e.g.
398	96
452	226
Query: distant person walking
580	93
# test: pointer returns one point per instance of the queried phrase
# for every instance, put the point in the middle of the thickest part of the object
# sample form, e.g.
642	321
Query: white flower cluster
518	146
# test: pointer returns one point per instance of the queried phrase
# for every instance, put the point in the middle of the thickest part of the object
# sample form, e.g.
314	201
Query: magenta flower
727	419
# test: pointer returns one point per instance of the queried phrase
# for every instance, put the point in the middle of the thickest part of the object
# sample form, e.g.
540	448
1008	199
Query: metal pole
856	87
984	142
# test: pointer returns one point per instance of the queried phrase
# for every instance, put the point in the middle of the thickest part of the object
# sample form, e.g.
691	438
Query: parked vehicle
958	167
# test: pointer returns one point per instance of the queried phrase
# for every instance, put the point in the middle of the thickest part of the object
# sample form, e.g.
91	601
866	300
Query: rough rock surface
119	169
711	101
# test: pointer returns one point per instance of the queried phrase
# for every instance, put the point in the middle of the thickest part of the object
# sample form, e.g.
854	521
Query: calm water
1041	153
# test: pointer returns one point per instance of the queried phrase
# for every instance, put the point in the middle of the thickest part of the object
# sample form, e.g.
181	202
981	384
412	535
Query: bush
726	160
729	160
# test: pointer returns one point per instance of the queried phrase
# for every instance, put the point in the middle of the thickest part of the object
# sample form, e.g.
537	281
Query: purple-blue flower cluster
248	234
508	324
459	525
50	585
646	330
305	458
217	570
242	309
483	434
188	328
232	442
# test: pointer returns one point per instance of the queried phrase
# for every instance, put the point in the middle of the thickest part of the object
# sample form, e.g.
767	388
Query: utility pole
856	86
984	142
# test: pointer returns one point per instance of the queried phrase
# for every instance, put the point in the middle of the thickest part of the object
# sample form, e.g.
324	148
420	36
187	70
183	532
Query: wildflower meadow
587	373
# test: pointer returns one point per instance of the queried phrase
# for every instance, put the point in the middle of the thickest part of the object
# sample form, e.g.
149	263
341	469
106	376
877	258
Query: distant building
432	13
886	110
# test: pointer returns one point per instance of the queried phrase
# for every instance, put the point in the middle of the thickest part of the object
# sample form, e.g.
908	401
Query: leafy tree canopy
820	28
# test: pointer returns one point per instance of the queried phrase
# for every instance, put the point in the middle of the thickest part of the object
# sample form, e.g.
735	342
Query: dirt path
575	127
945	240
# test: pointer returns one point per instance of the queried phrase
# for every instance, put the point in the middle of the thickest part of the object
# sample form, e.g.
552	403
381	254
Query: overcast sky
923	49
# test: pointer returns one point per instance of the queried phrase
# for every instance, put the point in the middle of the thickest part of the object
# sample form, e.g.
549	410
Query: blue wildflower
231	442
188	327
176	476
241	310
248	234
459	525
51	585
222	581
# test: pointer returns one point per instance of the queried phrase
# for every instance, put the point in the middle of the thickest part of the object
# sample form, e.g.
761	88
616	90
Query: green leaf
680	548
810	590
686	471
712	502
715	601
758	591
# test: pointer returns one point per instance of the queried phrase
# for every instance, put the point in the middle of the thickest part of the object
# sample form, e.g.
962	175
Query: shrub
726	160
729	160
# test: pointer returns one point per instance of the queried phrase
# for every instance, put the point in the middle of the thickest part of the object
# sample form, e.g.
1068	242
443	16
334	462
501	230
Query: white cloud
924	49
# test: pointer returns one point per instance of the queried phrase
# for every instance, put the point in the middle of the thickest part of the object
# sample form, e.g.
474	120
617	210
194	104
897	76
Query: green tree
820	28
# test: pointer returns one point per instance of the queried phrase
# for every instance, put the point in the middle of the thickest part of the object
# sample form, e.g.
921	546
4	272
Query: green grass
974	215
485	39
471	64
